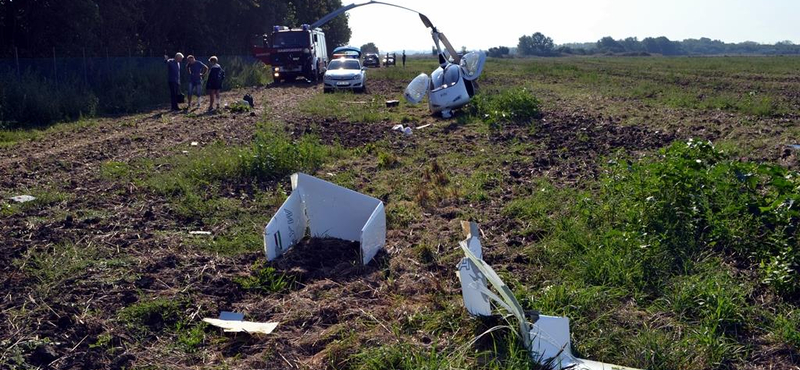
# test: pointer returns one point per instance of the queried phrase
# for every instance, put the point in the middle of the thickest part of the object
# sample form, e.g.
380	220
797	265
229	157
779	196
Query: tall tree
536	44
370	47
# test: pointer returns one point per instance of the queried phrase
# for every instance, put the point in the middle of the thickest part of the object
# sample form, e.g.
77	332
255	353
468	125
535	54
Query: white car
345	74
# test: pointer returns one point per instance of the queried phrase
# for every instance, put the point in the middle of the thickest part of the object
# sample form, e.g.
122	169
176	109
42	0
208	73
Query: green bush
496	108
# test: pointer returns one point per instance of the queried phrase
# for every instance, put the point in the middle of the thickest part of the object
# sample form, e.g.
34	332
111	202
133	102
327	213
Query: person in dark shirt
214	84
196	71
174	78
404	58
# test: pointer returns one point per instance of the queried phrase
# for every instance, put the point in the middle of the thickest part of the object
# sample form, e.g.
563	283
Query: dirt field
101	272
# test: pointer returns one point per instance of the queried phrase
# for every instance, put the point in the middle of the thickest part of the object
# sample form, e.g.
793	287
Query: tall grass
124	86
691	233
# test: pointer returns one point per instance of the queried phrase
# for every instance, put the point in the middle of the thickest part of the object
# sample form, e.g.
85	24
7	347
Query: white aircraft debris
322	209
547	338
23	198
232	322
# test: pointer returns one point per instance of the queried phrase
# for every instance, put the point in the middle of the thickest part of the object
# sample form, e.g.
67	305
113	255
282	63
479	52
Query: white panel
334	211
472	280
373	235
286	227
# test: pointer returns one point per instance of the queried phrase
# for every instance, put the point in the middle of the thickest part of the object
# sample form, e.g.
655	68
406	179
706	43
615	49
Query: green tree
498	52
370	47
609	45
536	44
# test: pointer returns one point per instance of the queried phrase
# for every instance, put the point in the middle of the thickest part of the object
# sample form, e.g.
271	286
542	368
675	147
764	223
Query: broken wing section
326	210
286	227
334	211
547	339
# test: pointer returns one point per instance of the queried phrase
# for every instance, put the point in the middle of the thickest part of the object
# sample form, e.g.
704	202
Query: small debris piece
231	322
795	146
194	143
392	103
199	232
231	316
423	126
23	198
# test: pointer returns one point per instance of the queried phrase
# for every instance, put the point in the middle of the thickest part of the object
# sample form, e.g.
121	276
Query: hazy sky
483	24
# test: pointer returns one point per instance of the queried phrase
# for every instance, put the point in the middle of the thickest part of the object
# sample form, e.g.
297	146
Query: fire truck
294	52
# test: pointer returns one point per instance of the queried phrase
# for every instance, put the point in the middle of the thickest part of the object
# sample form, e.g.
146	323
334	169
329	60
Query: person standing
196	71
214	84
404	58
174	78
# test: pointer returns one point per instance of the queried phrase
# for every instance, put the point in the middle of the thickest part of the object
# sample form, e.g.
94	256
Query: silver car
345	74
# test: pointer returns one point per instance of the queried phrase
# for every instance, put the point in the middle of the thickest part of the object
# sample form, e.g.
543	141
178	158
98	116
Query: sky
483	24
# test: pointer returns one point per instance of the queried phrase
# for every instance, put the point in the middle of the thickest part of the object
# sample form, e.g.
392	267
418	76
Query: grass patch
665	232
497	108
265	279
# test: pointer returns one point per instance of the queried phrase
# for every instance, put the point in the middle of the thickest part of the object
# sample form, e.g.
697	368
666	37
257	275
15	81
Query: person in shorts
196	71
214	83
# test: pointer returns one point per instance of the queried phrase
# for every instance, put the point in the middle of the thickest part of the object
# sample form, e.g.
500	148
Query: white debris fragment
231	322
547	338
194	143
22	198
199	232
326	210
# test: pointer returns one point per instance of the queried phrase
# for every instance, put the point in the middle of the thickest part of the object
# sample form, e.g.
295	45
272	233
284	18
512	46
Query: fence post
16	56
85	73
55	68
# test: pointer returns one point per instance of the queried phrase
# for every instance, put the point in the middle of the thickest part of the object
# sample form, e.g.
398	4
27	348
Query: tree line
540	45
151	27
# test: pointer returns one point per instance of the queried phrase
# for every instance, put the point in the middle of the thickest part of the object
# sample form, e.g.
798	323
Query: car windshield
290	39
344	64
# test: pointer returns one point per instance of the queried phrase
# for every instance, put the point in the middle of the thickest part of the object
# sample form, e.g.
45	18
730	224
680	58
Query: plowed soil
333	298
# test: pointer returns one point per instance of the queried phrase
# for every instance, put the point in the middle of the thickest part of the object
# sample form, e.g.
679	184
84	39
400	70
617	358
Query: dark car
372	60
390	59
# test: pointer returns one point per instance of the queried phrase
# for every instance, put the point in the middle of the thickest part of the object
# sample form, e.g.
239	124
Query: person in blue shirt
174	78
196	70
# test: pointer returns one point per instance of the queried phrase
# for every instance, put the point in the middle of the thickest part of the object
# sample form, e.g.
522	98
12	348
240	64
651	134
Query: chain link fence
40	91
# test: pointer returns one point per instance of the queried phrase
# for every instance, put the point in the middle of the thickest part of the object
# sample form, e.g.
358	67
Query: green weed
265	279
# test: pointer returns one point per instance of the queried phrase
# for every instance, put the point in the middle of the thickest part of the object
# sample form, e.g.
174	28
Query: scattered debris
327	210
400	128
795	146
423	126
547	338
392	103
23	198
194	143
199	232
232	322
